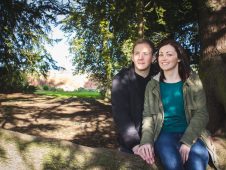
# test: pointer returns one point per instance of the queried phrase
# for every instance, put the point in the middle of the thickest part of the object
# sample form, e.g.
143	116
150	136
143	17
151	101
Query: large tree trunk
212	24
24	152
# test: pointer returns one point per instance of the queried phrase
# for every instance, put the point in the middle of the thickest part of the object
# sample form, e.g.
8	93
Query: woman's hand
146	152
184	152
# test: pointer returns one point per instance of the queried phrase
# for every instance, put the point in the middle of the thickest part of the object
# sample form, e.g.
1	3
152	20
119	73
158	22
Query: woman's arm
198	113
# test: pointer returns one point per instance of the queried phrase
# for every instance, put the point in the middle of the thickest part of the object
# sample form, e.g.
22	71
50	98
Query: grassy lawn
80	94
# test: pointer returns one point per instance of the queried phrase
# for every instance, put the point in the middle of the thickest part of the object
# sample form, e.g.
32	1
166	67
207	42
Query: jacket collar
191	79
188	82
157	77
133	74
156	88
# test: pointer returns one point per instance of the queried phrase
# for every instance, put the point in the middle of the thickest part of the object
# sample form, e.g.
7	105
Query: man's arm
121	113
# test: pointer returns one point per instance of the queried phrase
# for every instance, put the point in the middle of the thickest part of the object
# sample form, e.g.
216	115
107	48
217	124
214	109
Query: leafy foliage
102	32
23	31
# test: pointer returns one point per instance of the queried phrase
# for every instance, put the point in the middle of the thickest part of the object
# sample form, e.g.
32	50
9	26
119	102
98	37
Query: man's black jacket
127	106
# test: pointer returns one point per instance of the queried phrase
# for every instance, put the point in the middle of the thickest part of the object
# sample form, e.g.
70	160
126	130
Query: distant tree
24	30
212	24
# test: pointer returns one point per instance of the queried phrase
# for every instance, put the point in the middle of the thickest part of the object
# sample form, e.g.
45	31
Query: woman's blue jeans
167	149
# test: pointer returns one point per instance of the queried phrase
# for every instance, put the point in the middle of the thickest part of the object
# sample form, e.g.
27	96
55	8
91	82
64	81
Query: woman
175	114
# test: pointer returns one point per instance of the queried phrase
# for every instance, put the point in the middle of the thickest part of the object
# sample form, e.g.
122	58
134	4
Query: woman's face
168	59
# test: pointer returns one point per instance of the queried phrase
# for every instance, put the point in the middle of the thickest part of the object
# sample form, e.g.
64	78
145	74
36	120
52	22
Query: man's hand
146	152
184	152
135	149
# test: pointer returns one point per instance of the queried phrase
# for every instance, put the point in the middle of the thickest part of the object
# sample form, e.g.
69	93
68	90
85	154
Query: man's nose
141	56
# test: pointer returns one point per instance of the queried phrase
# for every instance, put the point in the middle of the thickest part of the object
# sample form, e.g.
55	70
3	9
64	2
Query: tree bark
140	16
212	27
24	152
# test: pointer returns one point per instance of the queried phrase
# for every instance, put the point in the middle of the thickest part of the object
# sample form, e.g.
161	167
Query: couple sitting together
159	108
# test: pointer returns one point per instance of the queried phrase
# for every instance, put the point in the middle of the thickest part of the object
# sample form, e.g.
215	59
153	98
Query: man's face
142	57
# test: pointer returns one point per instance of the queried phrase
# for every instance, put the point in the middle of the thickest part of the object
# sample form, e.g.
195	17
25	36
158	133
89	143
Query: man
128	88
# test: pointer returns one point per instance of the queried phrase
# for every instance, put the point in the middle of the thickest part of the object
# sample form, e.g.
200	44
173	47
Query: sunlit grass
79	94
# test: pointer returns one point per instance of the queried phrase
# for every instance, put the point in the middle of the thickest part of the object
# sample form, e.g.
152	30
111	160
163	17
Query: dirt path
83	121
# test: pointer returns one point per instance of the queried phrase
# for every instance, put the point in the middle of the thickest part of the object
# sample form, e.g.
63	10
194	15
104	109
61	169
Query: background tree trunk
140	16
212	24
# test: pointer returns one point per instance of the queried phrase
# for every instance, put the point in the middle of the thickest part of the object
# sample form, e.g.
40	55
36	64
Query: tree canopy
24	31
103	31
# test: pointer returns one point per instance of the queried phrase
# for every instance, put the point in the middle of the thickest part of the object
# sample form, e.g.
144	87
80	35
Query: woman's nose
163	56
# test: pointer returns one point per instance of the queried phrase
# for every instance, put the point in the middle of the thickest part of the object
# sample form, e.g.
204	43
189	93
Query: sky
59	51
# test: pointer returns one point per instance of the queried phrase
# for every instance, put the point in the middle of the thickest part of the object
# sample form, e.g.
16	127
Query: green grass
79	94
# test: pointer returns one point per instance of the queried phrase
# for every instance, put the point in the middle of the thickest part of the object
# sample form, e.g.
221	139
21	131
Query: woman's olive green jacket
195	110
